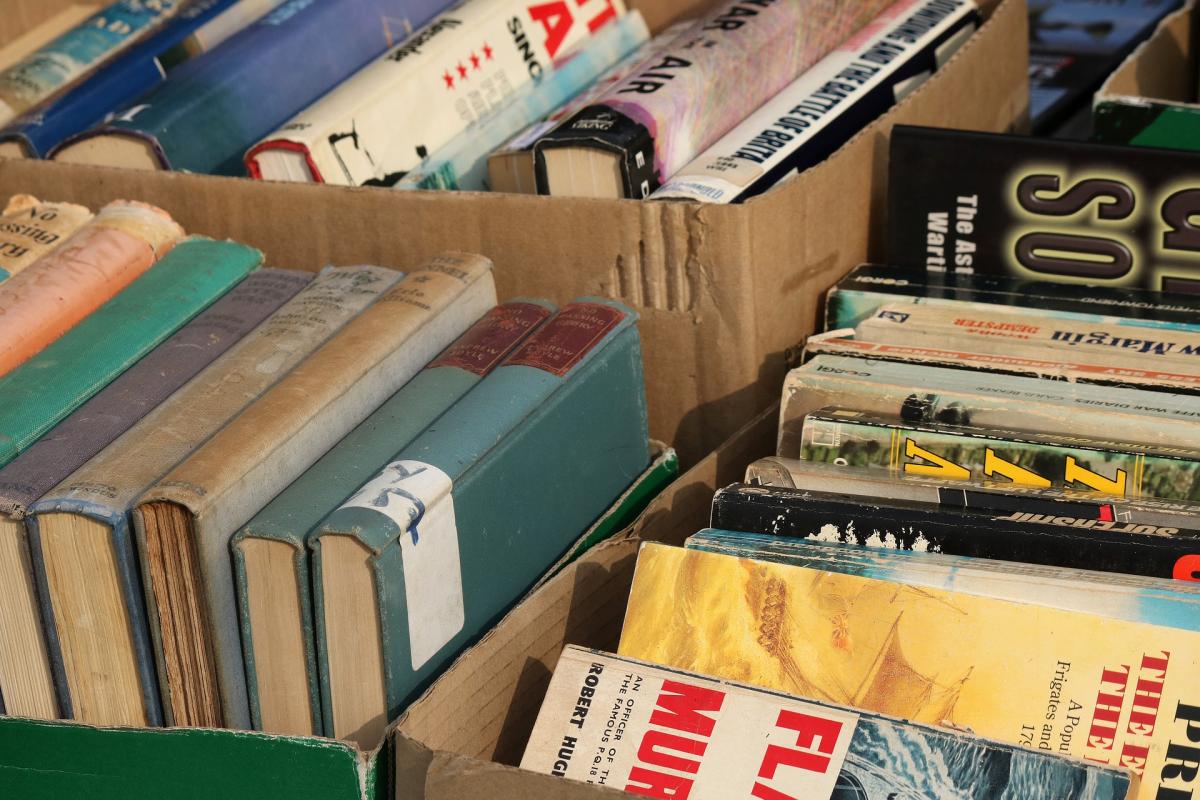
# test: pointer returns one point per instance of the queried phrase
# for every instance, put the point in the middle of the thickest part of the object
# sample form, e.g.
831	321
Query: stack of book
972	568
569	99
247	497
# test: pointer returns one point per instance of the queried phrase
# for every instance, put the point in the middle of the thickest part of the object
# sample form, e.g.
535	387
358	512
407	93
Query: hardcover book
26	685
1117	693
47	31
63	61
100	259
30	229
420	95
860	440
818	112
404	572
204	116
46	388
648	126
1043	209
1032	535
462	163
869	287
270	559
185	520
198	28
660	732
1146	122
918	394
80	536
1170	604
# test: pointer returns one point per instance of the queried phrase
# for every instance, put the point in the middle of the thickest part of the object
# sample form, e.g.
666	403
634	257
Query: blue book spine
129	76
210	110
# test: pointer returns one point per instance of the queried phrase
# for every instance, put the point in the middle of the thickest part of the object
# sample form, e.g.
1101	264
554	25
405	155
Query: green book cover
37	395
1147	123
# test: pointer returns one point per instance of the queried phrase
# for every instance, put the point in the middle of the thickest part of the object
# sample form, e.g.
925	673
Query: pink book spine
51	296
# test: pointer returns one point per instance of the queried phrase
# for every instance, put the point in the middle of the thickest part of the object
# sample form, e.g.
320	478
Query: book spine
462	162
1018	211
829	103
102	257
646	119
72	55
145	385
465	63
31	229
195	30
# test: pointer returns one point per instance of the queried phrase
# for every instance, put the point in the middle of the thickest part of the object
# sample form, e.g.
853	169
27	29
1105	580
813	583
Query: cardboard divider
722	290
1163	67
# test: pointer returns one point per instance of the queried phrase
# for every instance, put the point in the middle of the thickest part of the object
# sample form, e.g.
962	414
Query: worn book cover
26	685
648	126
205	115
101	258
1113	692
1071	212
831	101
197	28
417	97
404	572
661	732
1053	537
31	228
958	452
198	505
80	532
270	559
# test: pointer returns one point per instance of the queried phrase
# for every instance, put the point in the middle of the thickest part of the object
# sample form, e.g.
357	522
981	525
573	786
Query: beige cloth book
80	534
184	522
31	228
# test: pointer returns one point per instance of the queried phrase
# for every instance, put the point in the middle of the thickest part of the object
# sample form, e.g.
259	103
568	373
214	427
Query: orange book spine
51	296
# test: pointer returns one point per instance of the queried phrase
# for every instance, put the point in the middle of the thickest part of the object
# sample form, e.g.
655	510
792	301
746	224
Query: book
404	572
197	28
50	385
26	685
232	94
30	228
72	55
1117	693
184	522
1146	122
981	328
80	536
101	258
919	394
1021	209
47	31
1036	536
270	559
648	126
869	287
951	452
831	101
417	97
462	163
510	166
986	495
1134	598
661	732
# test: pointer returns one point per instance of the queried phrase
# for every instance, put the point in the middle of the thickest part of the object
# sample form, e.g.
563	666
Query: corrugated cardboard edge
1161	69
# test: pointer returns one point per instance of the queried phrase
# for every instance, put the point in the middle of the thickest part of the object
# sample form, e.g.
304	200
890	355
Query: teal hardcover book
418	563
45	389
270	559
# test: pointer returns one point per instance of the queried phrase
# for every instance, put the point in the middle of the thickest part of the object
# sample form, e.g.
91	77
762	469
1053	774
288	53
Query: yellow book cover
1113	692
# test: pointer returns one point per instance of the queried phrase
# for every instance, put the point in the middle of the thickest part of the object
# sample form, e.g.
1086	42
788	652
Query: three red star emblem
463	70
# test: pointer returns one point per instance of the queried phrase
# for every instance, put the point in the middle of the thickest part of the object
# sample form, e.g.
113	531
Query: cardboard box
1151	98
462	739
722	290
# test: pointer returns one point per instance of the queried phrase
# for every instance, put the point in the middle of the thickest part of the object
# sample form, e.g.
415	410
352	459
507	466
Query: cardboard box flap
1161	68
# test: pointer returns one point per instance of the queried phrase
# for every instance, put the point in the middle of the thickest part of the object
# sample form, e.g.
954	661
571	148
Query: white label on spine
419	498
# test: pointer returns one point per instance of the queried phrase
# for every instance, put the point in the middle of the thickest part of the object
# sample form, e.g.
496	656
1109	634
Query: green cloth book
430	552
270	559
40	393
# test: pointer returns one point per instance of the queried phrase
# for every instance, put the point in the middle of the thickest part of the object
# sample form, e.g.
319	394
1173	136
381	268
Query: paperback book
30	229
